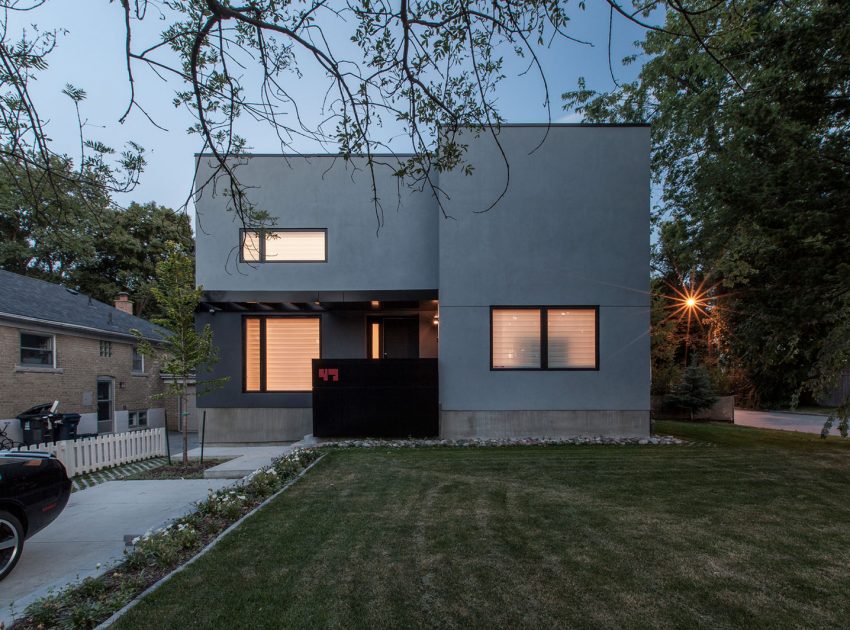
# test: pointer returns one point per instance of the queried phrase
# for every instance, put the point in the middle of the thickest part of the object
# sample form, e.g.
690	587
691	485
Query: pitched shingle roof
41	302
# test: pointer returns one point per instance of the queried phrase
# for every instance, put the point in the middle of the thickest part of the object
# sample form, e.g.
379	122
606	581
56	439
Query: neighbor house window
138	361
138	418
279	353
38	350
284	245
544	338
106	348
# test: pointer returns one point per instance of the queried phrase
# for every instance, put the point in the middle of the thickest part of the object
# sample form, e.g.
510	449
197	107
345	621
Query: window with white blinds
571	338
544	338
516	338
252	355
279	352
284	246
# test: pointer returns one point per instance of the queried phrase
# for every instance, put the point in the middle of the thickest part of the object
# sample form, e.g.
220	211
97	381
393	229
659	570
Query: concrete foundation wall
543	424
235	425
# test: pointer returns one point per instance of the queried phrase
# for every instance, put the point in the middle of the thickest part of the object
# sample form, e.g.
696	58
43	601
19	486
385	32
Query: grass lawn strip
157	553
751	532
153	587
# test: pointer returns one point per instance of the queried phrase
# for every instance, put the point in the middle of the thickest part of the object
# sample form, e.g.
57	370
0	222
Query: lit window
106	348
516	338
284	246
279	353
544	338
252	355
571	338
37	350
138	361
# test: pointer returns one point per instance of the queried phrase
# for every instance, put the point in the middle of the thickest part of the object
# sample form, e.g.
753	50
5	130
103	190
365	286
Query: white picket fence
104	451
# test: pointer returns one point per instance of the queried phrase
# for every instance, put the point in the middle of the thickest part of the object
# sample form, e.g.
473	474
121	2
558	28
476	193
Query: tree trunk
185	424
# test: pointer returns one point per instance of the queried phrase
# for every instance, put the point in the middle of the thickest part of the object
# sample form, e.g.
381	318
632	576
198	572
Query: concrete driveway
91	531
782	420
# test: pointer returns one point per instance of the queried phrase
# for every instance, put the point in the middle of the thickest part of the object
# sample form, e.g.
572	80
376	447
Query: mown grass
747	528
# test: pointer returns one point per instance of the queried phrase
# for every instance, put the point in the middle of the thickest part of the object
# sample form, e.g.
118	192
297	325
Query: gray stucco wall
572	229
320	192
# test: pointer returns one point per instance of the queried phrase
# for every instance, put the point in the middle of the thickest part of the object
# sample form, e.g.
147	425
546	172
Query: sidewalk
782	421
91	531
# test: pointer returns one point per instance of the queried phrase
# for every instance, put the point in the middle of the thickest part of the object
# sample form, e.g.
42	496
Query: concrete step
235	473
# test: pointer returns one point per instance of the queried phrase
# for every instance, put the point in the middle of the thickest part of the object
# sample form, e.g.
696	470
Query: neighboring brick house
58	344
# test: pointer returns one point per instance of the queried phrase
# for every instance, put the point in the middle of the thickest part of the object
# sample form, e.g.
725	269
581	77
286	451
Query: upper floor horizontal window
284	245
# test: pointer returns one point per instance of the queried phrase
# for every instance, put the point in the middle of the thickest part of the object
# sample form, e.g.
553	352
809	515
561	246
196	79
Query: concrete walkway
245	459
782	420
91	531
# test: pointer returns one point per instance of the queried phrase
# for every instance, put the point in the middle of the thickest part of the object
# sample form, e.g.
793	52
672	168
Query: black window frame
263	389
262	250
544	337
52	351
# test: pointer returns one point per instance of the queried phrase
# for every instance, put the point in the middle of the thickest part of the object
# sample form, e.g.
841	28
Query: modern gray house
532	317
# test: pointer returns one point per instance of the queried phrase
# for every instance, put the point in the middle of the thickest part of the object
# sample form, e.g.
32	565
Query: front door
105	404
394	338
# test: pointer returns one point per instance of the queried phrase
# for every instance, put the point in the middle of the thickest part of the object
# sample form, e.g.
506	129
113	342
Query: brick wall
74	382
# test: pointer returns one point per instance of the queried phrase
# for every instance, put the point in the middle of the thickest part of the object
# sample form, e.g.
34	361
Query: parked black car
34	489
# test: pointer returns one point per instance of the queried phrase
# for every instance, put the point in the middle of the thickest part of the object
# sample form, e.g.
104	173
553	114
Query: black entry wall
394	398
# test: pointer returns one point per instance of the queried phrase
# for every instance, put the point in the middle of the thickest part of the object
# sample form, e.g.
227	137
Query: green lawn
746	528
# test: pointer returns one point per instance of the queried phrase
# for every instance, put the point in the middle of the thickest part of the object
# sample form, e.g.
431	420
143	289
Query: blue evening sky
91	56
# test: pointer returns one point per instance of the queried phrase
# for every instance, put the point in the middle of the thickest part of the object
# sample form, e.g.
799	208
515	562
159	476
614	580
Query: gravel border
153	587
655	440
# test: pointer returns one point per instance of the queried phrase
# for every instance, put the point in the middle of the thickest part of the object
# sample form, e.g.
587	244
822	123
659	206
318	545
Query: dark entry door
401	337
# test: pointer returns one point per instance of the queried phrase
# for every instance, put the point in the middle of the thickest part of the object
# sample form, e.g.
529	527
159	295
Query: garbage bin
35	424
65	427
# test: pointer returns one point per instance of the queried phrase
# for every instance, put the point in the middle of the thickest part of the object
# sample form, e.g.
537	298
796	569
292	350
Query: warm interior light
376	341
375	303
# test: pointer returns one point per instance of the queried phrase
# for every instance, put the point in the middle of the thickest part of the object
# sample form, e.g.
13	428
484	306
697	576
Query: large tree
751	146
82	240
425	68
128	248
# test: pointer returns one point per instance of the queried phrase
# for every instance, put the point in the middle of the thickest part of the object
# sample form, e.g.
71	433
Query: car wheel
11	542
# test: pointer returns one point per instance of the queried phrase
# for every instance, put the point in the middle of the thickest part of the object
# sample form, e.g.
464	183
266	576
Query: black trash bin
65	427
35	424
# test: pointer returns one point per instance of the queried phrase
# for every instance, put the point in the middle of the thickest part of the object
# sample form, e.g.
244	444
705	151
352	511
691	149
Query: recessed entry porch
338	364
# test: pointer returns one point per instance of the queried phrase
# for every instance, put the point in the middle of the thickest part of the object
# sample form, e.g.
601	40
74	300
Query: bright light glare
691	302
